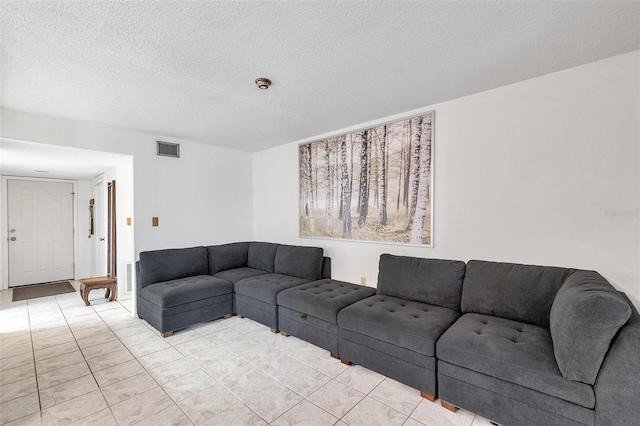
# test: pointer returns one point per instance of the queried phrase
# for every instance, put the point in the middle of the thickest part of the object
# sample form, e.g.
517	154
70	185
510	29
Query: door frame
4	235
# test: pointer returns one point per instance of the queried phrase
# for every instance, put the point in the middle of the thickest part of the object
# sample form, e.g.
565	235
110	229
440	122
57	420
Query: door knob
13	238
101	239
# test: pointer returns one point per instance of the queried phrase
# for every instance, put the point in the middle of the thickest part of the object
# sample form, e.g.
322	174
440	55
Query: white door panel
40	219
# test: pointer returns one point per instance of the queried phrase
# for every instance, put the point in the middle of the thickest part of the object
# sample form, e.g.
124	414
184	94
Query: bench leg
427	396
114	293
167	334
448	406
85	297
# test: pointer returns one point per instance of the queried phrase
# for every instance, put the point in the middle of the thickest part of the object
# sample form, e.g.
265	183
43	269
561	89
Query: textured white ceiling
186	69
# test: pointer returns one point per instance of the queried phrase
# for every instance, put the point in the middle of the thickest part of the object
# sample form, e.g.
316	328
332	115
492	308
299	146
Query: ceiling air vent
167	149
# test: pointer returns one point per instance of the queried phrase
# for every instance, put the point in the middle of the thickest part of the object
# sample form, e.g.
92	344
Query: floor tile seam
35	368
65	381
245	404
171	398
341	417
77	396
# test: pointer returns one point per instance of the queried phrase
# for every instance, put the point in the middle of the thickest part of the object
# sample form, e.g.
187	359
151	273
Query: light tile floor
65	363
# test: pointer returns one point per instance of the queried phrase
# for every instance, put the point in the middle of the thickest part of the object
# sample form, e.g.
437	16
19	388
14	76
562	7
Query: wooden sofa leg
240	316
275	331
448	406
334	355
167	334
345	362
427	396
227	316
284	334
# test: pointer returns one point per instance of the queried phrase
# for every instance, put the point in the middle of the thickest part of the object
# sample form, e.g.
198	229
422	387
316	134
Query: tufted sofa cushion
265	288
301	262
323	299
433	281
586	314
165	265
227	256
513	291
513	351
185	290
411	325
262	256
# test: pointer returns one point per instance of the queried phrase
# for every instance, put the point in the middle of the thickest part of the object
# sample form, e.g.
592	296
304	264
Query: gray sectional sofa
181	287
518	344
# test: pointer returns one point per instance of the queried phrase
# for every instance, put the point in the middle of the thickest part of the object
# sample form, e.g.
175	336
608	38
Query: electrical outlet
154	221
363	280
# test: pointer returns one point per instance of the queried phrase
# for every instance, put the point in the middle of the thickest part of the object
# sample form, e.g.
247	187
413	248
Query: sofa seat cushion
411	325
235	275
513	351
185	290
265	288
323	299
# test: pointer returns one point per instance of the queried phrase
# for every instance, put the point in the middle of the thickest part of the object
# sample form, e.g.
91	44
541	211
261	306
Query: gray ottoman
310	311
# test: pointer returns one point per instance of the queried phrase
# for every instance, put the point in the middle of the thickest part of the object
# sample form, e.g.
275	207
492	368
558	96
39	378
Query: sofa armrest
138	287
617	387
326	268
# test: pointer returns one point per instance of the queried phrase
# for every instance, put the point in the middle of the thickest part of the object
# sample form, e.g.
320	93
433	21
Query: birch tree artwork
371	185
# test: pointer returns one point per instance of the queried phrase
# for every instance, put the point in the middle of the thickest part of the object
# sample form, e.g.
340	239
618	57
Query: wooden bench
108	283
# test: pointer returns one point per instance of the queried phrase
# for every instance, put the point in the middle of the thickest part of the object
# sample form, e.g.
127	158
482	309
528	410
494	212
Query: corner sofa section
181	287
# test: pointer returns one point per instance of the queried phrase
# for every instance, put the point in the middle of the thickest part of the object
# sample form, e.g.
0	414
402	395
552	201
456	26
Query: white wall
526	173
204	197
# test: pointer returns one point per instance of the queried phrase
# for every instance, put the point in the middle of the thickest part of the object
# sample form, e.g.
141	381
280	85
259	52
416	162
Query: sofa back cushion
433	281
227	256
262	256
170	264
508	290
586	314
301	262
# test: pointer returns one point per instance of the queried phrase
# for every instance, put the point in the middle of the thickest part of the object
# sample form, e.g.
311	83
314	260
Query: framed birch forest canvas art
371	185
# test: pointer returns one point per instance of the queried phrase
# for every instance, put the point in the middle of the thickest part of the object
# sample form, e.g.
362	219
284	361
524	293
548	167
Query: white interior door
101	227
40	219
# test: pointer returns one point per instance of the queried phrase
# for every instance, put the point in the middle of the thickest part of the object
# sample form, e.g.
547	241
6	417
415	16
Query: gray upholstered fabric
309	311
412	325
308	328
266	287
165	265
262	256
513	351
324	298
301	262
401	365
184	290
508	290
433	281
182	316
235	275
506	403
326	267
586	314
227	256
259	311
617	387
